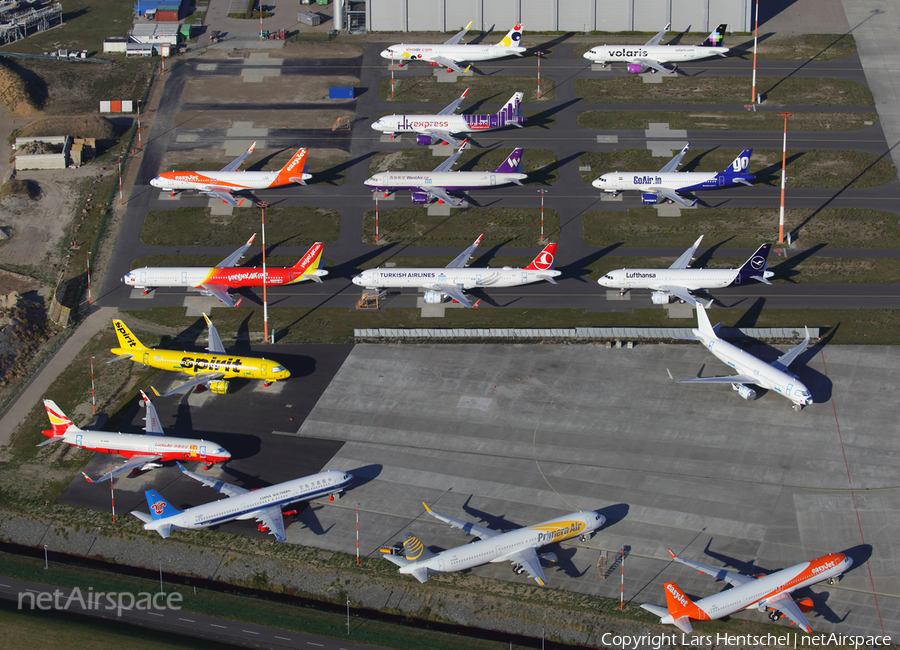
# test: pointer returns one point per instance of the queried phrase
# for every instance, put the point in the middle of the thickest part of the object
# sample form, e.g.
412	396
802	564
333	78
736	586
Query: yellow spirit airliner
208	369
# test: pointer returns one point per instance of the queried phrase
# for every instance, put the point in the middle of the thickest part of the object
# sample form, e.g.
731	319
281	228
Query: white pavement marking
187	620
155	614
283	638
250	632
221	626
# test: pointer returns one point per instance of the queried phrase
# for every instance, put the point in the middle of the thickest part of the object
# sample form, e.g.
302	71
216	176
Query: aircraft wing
133	463
237	162
448	164
272	519
225	488
444	135
652	63
458	37
236	256
455	292
788	357
463	258
196	381
731	577
685	260
447	63
450	109
530	561
656	39
215	342
681	293
732	379
219	292
441	194
224	196
672	195
469	528
152	426
672	165
785	604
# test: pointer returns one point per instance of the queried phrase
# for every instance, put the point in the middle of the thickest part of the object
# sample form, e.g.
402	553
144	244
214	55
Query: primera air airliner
516	546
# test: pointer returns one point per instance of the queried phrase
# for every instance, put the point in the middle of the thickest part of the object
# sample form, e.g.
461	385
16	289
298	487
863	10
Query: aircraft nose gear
797	407
583	538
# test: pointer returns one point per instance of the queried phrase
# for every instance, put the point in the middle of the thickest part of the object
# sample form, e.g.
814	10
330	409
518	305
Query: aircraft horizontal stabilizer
399	560
420	574
121	357
684	624
548	278
143	516
48	441
653	609
760	278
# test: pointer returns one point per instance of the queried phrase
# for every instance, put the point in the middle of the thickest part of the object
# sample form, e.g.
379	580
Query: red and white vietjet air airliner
142	451
769	593
228	180
217	280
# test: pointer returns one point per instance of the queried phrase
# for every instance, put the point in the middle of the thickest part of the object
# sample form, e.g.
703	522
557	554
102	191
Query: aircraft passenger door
184	277
478	279
789	389
493	179
146	358
143	277
441	564
78	440
202	451
524	277
721	181
263	368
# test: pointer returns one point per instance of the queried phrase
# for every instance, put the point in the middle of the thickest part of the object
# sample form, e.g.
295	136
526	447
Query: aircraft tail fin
513	37
59	423
292	172
413	549
545	260
682	609
127	340
716	38
312	260
755	267
741	164
159	507
703	323
511	113
512	164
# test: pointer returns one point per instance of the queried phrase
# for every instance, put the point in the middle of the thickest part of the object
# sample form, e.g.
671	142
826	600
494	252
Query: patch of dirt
23	324
323	119
78	126
15	94
274	90
390	160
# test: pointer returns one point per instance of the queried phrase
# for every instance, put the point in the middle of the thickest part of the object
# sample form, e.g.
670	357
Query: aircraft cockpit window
278	369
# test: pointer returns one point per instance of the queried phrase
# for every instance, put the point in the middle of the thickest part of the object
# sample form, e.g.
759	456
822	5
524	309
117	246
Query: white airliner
228	180
668	181
751	370
451	53
438	183
443	125
143	452
263	504
769	593
652	55
452	281
679	280
516	546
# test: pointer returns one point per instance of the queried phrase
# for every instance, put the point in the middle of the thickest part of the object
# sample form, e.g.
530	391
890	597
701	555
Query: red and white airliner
142	451
769	593
224	183
217	280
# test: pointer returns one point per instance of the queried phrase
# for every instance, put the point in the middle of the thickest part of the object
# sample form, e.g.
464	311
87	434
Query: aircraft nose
358	279
386	54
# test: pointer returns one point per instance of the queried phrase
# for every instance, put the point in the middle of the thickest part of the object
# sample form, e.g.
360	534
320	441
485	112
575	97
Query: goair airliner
143	452
751	370
679	280
224	183
516	546
216	281
264	504
442	126
205	367
450	54
452	281
769	593
668	181
437	184
652	55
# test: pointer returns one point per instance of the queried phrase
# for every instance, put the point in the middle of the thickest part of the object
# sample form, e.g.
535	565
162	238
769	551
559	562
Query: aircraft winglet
668	549
426	506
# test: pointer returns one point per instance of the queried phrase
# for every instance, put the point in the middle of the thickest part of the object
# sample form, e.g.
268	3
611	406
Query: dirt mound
79	126
17	188
15	95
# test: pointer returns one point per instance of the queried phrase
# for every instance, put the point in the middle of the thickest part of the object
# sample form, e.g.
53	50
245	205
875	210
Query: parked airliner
769	593
442	126
452	281
516	546
224	183
751	370
263	504
450	54
143	452
679	280
216	281
668	181
652	55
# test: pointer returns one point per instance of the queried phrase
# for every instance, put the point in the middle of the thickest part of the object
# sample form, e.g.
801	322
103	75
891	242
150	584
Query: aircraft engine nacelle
635	68
420	197
434	297
548	558
744	391
424	139
660	297
649	198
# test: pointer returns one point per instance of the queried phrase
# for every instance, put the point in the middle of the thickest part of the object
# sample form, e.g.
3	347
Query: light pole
160	577
542	191
262	212
348	615
783	165
539	73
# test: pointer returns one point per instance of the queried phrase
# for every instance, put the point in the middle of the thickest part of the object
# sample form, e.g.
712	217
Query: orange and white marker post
139	122
357	534
753	97
539	74
120	180
112	494
93	397
783	165
89	288
392	77
262	210
622	585
542	213
376	217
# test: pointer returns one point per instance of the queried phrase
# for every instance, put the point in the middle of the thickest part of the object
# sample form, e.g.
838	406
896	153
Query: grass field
500	226
726	120
482	89
298	226
539	164
804	168
744	228
723	90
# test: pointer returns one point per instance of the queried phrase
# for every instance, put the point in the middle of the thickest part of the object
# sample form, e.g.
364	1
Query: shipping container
340	92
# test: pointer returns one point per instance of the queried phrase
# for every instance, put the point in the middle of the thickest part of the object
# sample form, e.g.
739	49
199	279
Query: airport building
558	15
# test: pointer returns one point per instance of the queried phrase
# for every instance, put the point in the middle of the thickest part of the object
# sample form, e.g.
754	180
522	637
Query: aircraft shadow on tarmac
333	174
542	120
787	270
704	258
579	270
546	175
